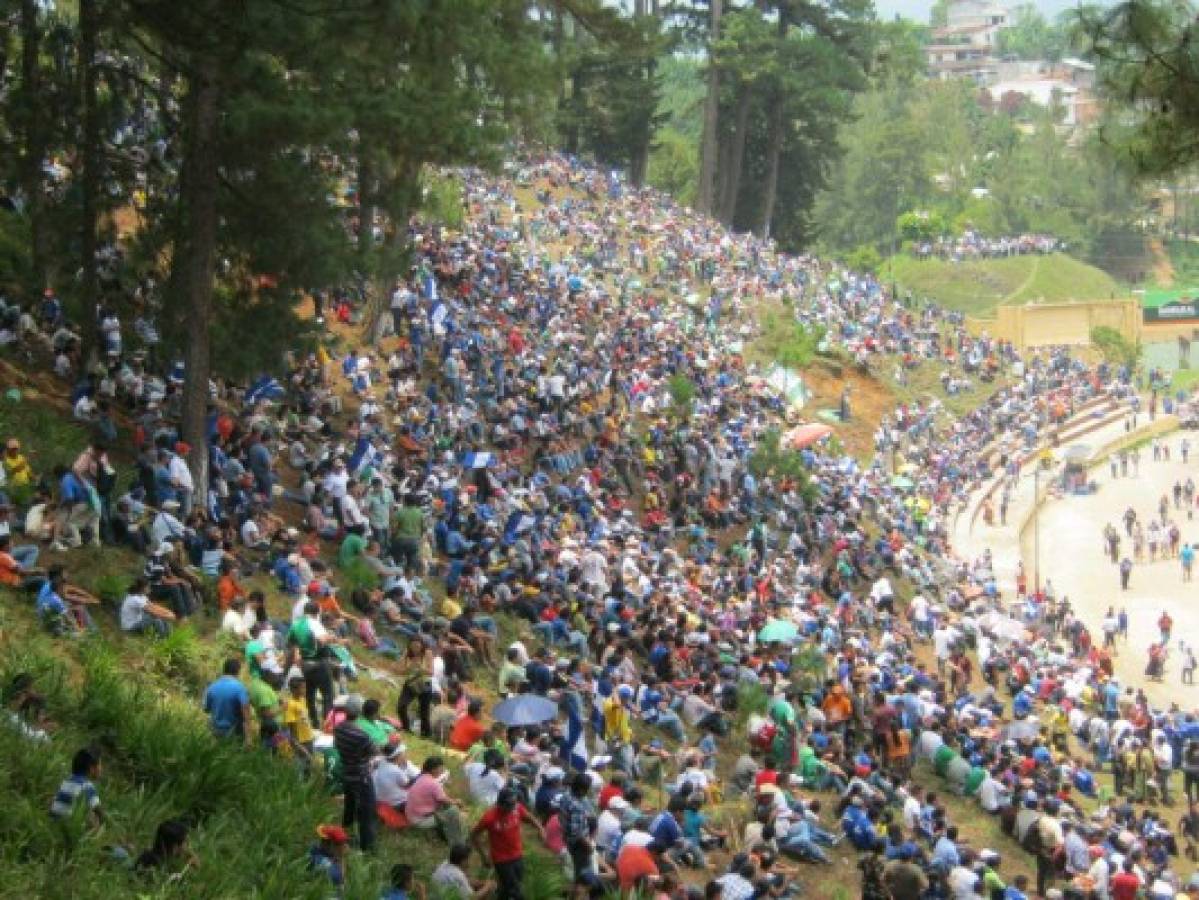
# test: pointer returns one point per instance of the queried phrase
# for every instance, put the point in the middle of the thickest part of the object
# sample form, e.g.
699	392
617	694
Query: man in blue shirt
227	703
60	605
668	830
945	853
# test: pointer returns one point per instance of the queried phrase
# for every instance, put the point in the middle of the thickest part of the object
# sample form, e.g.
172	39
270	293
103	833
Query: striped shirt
71	792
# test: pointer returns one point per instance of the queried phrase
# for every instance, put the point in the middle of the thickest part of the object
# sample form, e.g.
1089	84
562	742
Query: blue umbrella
525	709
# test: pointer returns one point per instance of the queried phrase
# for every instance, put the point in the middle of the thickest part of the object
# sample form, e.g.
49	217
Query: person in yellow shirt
17	470
618	729
295	719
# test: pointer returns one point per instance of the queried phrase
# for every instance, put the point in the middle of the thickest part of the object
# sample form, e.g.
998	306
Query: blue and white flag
429	286
265	388
477	460
440	315
574	748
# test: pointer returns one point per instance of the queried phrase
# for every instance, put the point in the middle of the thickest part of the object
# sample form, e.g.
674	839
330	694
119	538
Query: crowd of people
971	245
511	458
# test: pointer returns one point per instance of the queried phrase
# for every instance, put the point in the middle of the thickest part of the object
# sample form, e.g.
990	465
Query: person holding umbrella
505	845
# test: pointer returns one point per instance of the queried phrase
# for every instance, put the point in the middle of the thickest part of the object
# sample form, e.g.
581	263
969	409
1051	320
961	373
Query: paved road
1072	556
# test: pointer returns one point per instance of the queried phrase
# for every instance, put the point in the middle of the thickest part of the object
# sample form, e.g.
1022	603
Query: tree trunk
91	152
198	260
639	157
705	200
774	150
366	199
736	158
774	140
34	135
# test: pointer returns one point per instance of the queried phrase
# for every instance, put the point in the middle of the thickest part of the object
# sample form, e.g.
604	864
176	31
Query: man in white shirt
139	614
166	525
608	826
181	479
234	621
392	775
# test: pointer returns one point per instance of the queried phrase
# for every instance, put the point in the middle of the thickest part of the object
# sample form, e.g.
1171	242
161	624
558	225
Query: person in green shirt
376	729
408	529
512	673
263	698
493	739
993	885
352	547
941	759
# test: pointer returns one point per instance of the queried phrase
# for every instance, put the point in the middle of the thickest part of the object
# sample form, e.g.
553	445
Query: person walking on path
1125	572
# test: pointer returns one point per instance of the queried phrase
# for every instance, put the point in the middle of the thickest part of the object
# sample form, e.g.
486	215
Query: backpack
1031	841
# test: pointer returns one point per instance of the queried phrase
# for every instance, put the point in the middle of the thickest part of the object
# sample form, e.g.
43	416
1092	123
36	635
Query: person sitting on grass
25	709
169	848
450	877
140	615
62	606
328	857
17	569
402	885
78	790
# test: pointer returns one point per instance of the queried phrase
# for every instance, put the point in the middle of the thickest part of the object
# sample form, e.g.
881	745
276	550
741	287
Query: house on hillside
966	46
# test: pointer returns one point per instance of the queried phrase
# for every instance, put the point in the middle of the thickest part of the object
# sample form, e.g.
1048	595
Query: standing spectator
356	750
502	824
227	703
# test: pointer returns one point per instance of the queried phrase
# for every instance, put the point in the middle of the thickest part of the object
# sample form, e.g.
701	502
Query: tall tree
33	119
1148	58
706	195
91	153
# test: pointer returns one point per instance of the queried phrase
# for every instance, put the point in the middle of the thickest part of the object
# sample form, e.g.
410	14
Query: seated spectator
139	614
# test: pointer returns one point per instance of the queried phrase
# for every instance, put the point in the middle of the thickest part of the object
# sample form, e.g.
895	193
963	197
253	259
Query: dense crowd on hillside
513	453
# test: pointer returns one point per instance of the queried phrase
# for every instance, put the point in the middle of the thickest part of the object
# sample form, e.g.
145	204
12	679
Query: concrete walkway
1072	554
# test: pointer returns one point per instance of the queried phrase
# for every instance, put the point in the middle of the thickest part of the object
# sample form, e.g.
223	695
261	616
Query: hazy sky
918	9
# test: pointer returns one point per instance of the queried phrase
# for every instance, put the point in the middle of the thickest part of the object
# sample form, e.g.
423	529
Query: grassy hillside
977	288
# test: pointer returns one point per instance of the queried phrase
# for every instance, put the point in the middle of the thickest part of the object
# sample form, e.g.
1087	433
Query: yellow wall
1036	325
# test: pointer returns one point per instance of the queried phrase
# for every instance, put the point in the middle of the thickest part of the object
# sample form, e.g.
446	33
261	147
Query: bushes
1115	348
252	816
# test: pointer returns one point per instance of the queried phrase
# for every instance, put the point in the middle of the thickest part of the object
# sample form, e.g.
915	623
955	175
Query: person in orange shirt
637	866
469	728
837	706
228	588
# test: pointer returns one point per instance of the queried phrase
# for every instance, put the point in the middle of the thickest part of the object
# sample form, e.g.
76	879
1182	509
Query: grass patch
925	382
1184	258
976	288
47	437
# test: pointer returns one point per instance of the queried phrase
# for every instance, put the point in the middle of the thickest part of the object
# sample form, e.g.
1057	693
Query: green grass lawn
978	287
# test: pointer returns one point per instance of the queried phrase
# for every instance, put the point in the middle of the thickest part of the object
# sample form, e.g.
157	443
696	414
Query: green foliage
358	576
674	165
1115	348
864	259
682	395
443	202
1030	35
943	149
921	225
770	458
16	274
1148	63
787	342
251	815
1184	258
178	655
